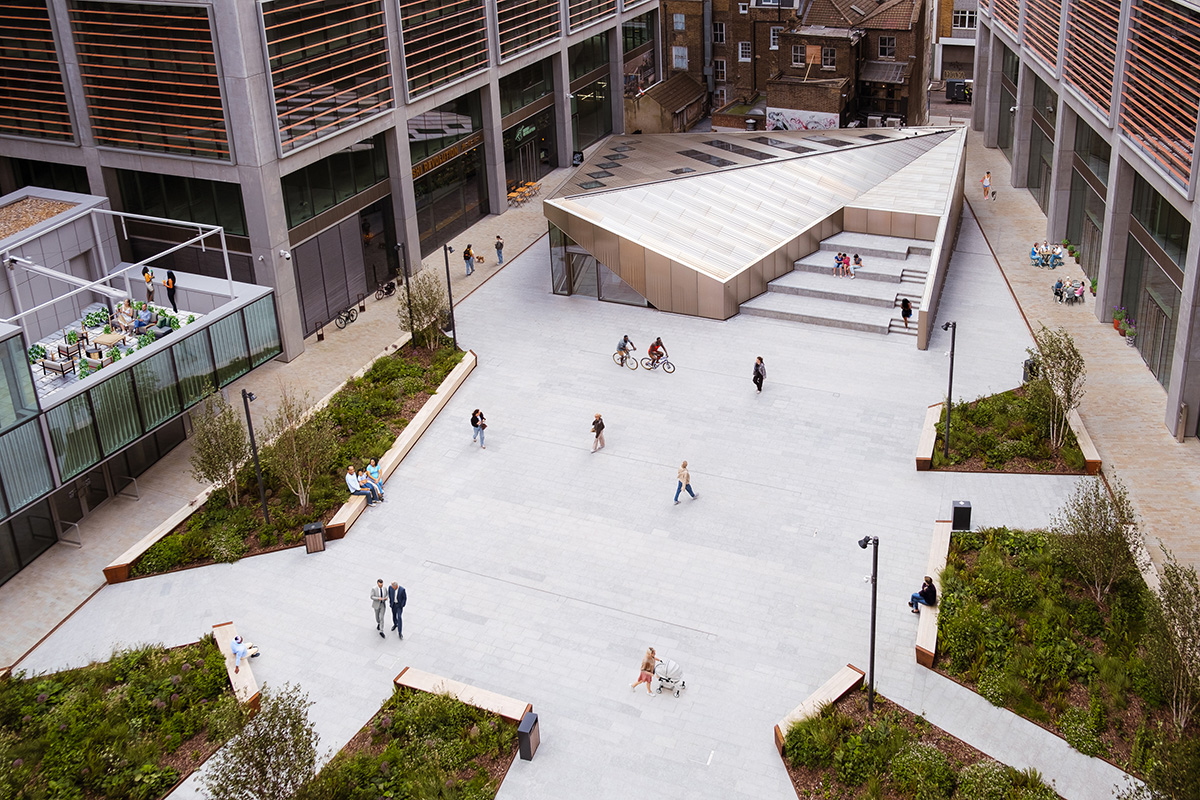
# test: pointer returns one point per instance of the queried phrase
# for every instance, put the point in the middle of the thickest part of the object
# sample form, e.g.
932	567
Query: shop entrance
526	163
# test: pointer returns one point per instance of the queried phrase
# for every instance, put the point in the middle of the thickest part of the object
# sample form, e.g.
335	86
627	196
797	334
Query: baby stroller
670	675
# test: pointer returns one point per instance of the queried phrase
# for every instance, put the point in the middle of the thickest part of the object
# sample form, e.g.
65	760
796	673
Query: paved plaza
539	570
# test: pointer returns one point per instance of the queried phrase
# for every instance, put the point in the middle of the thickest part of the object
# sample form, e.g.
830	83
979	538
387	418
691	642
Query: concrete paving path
539	570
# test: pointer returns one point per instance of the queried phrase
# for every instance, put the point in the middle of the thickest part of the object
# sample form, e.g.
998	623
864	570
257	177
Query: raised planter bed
927	627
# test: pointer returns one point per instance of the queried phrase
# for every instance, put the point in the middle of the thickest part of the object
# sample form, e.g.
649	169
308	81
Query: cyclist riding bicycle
657	351
624	347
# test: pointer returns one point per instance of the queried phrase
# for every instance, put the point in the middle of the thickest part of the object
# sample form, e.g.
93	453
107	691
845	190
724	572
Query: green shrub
1078	729
811	742
1073	456
165	554
868	752
985	780
921	770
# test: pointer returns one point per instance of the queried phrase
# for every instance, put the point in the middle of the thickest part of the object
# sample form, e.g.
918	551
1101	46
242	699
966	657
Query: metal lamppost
864	543
446	251
407	291
953	328
247	397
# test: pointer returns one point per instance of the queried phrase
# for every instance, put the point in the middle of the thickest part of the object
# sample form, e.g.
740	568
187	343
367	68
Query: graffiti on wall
787	119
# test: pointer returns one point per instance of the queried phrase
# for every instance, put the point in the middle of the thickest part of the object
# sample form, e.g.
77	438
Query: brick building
804	63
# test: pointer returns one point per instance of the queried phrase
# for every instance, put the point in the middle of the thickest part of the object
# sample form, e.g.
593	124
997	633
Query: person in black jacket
927	596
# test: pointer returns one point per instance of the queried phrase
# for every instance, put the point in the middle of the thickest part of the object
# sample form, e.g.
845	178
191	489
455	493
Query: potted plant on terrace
1118	315
1094	284
1129	331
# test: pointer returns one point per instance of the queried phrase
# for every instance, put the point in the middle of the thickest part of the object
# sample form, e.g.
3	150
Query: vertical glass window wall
194	366
1160	219
575	271
451	198
24	538
1041	165
23	465
262	328
1010	65
529	151
435	130
1085	222
18	401
1004	136
47	174
229	347
1045	101
176	197
73	437
1092	150
1151	298
525	86
320	186
157	397
116	412
588	56
591	113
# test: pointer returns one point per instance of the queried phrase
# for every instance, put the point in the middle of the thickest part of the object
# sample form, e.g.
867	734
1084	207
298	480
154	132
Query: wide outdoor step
897	326
846	290
913	275
865	245
884	270
816	311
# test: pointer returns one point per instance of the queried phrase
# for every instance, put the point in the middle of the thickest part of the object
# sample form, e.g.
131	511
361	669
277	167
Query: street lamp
407	291
953	328
247	398
446	251
864	543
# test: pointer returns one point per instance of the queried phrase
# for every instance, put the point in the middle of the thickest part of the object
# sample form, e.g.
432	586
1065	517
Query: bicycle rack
320	333
76	542
137	495
362	303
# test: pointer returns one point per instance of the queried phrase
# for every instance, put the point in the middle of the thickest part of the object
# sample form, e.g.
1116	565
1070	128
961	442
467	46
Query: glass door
1092	240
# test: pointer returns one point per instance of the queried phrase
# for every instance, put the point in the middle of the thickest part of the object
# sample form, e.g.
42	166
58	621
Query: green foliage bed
368	413
129	728
1009	431
420	745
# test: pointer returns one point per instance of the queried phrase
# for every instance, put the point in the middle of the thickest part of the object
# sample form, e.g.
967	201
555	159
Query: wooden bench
928	438
245	687
927	627
847	678
1091	455
505	707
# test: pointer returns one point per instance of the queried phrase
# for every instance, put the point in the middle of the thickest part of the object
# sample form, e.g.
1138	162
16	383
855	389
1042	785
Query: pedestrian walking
469	259
397	599
760	373
987	185
379	603
685	482
598	429
499	250
646	672
905	310
479	423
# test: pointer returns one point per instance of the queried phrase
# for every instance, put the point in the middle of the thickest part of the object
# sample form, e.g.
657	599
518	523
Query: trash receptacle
960	519
528	736
576	158
751	124
1030	372
314	537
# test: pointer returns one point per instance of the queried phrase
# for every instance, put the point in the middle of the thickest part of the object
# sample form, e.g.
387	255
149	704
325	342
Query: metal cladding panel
856	219
633	266
352	257
782	262
732	304
606	247
710	294
758	279
684	293
741	285
926	227
556	216
1091	52
658	280
583	233
904	225
879	223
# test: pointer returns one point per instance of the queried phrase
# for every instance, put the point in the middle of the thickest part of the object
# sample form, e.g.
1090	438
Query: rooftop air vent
858	10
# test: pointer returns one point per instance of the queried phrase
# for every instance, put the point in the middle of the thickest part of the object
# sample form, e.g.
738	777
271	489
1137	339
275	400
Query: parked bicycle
625	360
349	315
385	290
664	362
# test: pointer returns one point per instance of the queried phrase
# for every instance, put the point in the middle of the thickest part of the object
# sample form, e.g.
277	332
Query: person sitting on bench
143	320
926	596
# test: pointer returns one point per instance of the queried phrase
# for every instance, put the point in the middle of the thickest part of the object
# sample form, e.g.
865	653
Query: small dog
479	259
994	193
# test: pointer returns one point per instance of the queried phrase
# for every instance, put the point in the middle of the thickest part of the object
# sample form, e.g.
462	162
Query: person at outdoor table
143	319
1079	292
1034	255
123	321
1058	290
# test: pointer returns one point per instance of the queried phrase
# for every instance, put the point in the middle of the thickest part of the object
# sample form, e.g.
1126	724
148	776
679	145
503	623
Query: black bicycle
385	290
349	315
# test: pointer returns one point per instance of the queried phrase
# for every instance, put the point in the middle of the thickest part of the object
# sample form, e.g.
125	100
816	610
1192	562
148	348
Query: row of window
887	47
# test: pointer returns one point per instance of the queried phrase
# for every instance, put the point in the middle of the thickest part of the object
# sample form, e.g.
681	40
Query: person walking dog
986	180
469	259
760	373
685	482
397	599
598	429
379	603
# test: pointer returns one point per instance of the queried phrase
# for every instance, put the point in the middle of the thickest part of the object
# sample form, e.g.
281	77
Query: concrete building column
1117	205
986	109
616	80
1060	177
564	126
1185	361
404	197
1023	120
493	147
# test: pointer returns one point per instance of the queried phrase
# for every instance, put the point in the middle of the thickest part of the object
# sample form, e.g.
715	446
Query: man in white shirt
357	488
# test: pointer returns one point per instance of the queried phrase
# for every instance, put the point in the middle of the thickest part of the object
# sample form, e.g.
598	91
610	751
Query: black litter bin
314	537
1031	370
528	737
960	520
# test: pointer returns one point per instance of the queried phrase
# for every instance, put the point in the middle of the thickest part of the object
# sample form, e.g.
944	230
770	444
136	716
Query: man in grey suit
379	602
397	598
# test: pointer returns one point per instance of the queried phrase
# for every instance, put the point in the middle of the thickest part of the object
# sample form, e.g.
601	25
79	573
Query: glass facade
1092	150
526	23
637	32
1010	65
525	86
1151	298
320	186
150	77
1041	165
177	197
329	66
229	348
262	330
73	436
1045	101
641	70
1166	226
575	271
47	174
117	419
585	12
25	538
444	40
34	100
194	367
18	400
1085	222
588	56
23	465
157	397
591	112
451	197
1004	135
434	131
529	150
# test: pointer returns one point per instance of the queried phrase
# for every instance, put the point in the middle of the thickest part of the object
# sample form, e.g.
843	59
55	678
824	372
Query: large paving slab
541	571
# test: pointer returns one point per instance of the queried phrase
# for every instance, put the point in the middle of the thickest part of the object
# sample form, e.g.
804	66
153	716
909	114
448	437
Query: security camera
286	255
1012	109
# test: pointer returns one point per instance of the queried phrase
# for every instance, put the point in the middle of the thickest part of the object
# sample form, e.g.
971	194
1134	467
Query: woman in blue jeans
927	596
479	423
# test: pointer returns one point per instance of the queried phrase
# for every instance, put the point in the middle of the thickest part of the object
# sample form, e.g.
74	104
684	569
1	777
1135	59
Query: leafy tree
1061	369
219	444
429	305
1097	531
1174	640
273	756
300	451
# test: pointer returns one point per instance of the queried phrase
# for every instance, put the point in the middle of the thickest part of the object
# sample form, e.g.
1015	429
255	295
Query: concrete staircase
893	269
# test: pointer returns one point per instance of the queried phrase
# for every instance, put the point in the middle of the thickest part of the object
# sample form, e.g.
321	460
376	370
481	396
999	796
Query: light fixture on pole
953	328
446	251
247	398
407	291
864	543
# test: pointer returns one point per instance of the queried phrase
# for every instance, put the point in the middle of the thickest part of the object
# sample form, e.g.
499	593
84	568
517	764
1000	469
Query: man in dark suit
397	597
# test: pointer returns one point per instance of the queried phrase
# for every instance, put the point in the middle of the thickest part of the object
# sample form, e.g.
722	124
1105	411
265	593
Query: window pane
116	415
23	465
73	437
229	345
156	389
263	331
193	364
18	402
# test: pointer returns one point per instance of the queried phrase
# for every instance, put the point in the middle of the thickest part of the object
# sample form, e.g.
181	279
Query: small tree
428	306
1174	639
219	444
273	756
1097	532
301	450
1061	367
